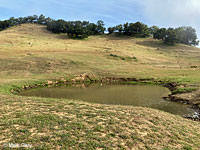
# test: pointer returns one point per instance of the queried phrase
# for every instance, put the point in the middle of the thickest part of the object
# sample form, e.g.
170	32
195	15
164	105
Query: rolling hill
29	54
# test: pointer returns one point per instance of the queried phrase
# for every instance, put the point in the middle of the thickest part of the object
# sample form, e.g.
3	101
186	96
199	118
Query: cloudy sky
163	13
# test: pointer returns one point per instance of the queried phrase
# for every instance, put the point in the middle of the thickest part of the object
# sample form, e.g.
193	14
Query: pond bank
179	91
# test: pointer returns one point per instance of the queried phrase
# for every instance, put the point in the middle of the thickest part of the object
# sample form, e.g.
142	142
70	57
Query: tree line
76	29
83	29
170	36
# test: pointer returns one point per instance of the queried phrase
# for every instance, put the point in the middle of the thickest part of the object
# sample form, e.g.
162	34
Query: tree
160	34
137	29
29	19
141	30
111	30
4	24
119	28
100	27
187	35
170	36
58	26
78	29
153	29
20	20
92	28
126	29
48	20
12	22
42	20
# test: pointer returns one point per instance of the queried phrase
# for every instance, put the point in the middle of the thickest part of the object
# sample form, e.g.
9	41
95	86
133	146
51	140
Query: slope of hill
31	49
30	53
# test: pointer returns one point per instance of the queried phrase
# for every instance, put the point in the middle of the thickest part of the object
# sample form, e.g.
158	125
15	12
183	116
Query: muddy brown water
134	95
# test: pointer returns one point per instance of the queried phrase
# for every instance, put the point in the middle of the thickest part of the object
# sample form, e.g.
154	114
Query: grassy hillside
29	53
34	52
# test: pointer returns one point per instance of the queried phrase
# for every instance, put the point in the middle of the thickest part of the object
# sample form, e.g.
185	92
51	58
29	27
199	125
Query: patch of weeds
45	139
44	120
111	122
124	58
134	58
67	140
79	115
123	136
187	147
72	103
60	106
155	129
147	147
94	145
140	83
130	144
134	137
7	88
183	90
112	134
43	147
121	147
78	126
98	128
116	56
167	148
155	122
90	115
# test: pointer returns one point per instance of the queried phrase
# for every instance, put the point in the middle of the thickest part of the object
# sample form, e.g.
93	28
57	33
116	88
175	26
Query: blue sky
110	11
163	13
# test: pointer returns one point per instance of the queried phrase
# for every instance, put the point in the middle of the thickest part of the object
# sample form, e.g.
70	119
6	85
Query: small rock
49	82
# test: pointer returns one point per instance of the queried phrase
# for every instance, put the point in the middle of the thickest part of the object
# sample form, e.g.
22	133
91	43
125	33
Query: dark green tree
160	34
140	30
137	29
111	30
78	29
100	27
92	28
119	28
126	29
42	20
58	26
4	24
170	37
153	29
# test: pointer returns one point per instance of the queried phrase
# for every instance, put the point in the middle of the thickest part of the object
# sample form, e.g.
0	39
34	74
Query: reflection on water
135	95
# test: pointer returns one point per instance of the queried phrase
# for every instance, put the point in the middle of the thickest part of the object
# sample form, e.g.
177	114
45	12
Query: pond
116	94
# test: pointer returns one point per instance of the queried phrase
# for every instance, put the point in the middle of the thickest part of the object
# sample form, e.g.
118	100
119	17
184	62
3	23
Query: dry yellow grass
29	49
30	53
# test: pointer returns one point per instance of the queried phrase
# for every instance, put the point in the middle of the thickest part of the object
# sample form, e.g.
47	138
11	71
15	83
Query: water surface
135	95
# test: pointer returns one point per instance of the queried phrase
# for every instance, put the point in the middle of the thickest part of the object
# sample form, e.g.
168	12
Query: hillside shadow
153	44
115	37
62	36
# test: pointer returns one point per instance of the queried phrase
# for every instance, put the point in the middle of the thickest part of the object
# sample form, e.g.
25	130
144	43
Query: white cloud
172	12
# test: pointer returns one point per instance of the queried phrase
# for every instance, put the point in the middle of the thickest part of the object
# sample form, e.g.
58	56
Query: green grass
183	90
71	124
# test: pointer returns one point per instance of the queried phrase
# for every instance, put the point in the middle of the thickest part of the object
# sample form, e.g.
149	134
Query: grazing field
30	54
